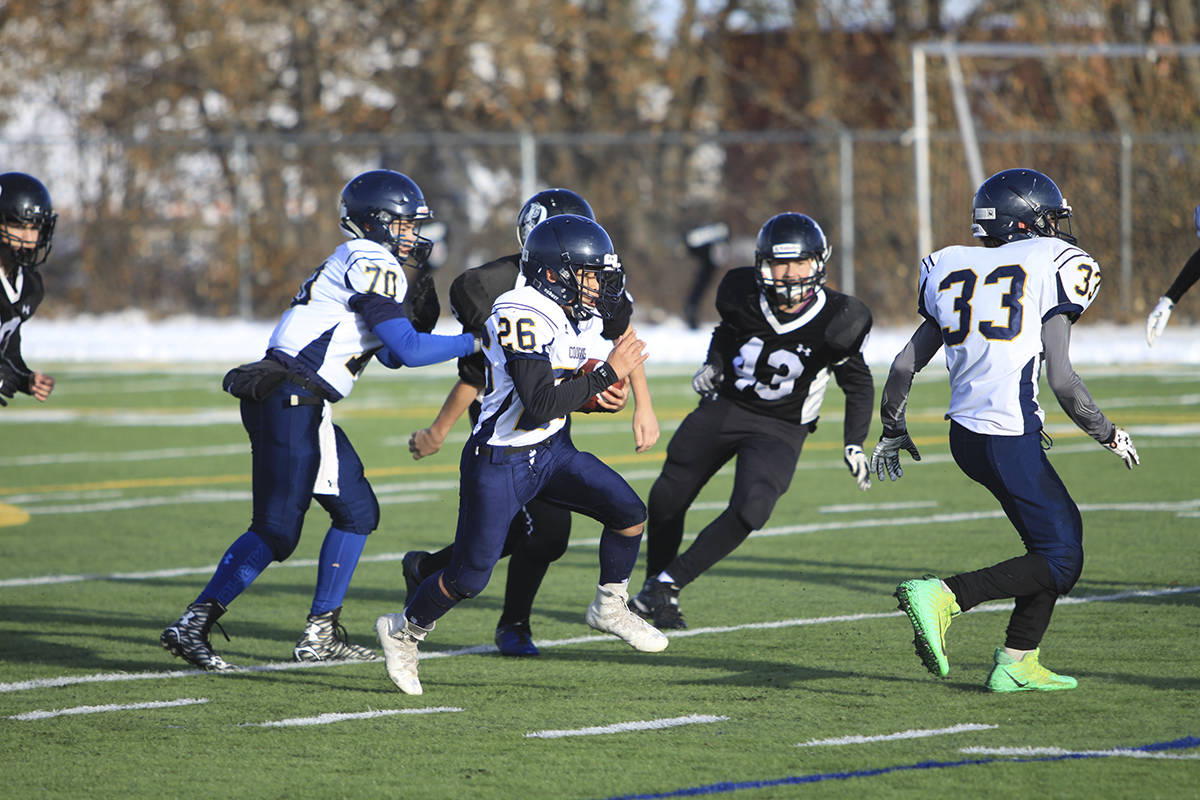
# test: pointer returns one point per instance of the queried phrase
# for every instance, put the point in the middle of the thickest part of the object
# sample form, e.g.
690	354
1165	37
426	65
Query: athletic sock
339	556
618	554
244	561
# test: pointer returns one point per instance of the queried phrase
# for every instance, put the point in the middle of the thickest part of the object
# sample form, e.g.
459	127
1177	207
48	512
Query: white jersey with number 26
990	303
528	324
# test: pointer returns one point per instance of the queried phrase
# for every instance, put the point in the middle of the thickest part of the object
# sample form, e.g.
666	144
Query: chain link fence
230	226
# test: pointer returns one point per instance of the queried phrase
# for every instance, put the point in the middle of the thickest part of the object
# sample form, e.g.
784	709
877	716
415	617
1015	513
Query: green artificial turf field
797	677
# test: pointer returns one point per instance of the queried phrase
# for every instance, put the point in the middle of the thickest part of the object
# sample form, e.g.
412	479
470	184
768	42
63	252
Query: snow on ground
132	336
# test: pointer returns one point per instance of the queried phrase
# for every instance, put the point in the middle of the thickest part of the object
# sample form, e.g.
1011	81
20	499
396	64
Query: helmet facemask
411	249
16	248
792	295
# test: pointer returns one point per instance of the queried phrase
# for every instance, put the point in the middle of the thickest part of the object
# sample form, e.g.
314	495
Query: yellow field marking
407	469
11	515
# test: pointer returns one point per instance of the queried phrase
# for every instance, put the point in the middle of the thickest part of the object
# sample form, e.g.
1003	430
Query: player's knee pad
754	509
280	538
547	544
465	583
1066	567
355	511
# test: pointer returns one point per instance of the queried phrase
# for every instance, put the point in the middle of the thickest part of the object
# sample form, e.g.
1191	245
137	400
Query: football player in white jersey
536	339
1001	311
540	532
350	310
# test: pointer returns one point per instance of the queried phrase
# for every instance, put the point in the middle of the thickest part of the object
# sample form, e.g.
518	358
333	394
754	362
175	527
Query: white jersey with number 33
990	303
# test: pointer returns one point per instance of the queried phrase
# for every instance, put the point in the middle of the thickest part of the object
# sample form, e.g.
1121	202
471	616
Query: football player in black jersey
781	334
539	533
1156	323
26	229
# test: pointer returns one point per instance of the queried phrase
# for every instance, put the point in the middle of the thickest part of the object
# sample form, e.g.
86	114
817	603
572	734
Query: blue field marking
1183	743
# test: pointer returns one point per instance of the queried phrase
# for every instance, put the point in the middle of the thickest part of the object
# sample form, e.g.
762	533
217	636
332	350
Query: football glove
706	380
1122	445
886	457
1157	321
856	460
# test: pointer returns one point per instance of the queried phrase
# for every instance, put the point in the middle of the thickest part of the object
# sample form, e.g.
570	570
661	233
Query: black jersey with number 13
778	364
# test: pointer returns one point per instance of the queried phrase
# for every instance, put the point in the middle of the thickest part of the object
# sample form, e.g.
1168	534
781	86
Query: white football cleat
399	638
609	613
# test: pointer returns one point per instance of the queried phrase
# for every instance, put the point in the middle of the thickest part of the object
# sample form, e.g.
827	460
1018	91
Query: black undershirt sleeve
1187	276
543	401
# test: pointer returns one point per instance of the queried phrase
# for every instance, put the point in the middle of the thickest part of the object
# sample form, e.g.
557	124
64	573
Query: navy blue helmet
549	203
25	202
555	253
374	201
1019	204
790	236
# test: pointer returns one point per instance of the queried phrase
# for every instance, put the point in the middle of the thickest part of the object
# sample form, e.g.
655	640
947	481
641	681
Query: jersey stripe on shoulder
524	307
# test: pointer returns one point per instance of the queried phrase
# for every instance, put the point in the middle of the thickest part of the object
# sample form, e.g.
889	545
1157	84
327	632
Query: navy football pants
1015	469
497	482
286	454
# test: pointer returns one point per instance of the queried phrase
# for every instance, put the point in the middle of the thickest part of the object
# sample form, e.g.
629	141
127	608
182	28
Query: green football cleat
929	608
1026	675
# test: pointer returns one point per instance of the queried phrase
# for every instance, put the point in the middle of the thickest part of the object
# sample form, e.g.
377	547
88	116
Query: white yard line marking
284	666
624	727
326	719
889	737
1058	751
62	712
851	508
785	530
127	455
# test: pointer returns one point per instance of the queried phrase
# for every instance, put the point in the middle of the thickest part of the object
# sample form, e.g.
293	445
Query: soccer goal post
952	52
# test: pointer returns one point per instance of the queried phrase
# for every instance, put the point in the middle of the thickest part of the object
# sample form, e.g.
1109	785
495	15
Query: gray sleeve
1066	384
925	341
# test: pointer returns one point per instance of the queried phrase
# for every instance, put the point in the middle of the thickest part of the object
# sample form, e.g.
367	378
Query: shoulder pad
475	290
850	323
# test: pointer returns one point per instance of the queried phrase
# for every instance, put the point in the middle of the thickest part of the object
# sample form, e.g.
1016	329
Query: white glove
706	380
1158	319
1122	445
887	455
856	460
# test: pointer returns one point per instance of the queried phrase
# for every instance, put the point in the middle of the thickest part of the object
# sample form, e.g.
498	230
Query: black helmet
374	200
549	203
1019	204
563	245
24	201
790	236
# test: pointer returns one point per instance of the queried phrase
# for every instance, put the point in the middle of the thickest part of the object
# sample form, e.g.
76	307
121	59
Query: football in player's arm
540	531
349	311
782	334
1001	311
27	222
520	448
1156	323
